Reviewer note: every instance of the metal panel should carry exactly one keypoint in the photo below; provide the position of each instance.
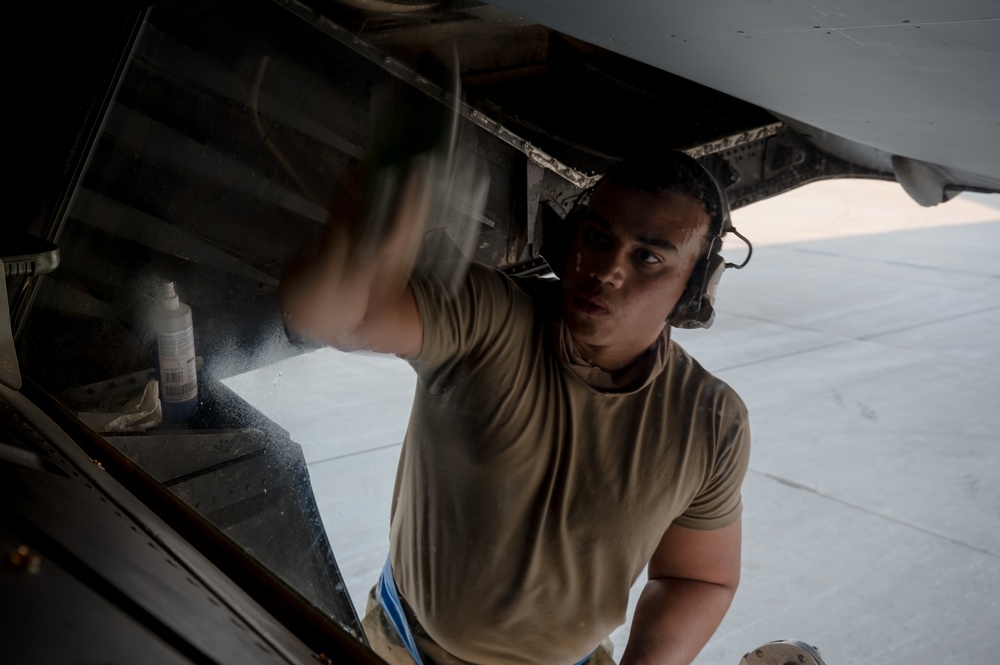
(919, 79)
(126, 565)
(43, 600)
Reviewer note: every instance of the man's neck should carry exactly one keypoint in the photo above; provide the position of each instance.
(625, 375)
(610, 362)
(614, 360)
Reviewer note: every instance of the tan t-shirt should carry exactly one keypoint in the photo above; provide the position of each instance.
(527, 502)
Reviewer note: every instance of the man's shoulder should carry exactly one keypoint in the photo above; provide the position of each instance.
(487, 310)
(694, 380)
(480, 285)
(542, 292)
(483, 274)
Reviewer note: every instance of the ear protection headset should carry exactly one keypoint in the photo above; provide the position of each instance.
(696, 306)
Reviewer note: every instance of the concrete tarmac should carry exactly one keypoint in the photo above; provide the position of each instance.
(863, 338)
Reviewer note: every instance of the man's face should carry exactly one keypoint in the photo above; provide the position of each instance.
(627, 267)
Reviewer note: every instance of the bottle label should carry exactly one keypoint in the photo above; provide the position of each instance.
(178, 368)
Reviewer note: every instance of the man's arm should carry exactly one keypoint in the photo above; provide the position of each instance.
(693, 576)
(352, 297)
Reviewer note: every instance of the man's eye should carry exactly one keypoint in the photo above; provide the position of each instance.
(646, 257)
(594, 236)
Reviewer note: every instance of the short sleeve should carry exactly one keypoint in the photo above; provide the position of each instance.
(718, 502)
(464, 324)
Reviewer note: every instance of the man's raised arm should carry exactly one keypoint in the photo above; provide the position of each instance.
(353, 294)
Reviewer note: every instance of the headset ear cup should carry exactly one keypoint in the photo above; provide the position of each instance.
(716, 268)
(680, 315)
(696, 306)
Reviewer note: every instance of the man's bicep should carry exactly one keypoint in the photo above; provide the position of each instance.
(718, 500)
(692, 554)
(461, 322)
(395, 328)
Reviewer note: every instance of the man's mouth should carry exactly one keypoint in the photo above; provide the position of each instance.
(591, 306)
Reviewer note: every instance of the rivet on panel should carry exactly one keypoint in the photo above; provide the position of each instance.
(25, 560)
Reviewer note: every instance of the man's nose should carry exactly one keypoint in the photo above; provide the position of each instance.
(609, 267)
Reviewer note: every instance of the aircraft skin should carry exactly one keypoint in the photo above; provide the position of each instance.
(918, 79)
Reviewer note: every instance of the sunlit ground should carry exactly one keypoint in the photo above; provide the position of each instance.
(863, 337)
(841, 208)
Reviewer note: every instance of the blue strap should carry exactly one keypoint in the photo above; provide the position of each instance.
(388, 598)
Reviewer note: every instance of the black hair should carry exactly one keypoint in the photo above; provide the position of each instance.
(660, 171)
(656, 172)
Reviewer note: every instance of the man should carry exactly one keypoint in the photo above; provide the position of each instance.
(559, 441)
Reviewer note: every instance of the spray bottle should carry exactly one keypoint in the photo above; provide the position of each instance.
(175, 347)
